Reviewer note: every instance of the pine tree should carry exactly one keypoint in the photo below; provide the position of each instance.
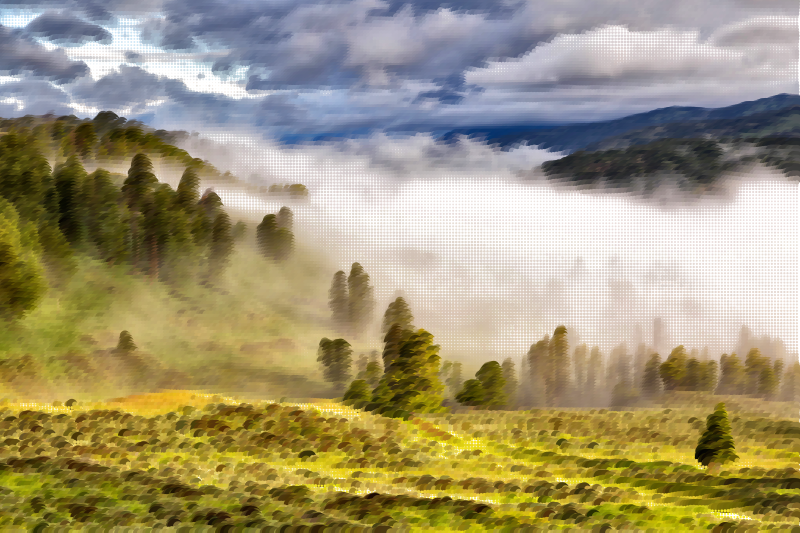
(284, 244)
(266, 236)
(338, 302)
(716, 444)
(511, 386)
(491, 377)
(579, 363)
(651, 378)
(708, 381)
(285, 219)
(398, 312)
(126, 344)
(221, 246)
(732, 375)
(791, 383)
(472, 394)
(392, 342)
(595, 369)
(411, 382)
(188, 191)
(336, 358)
(639, 362)
(358, 394)
(361, 301)
(754, 365)
(141, 179)
(455, 380)
(693, 374)
(22, 283)
(85, 140)
(540, 367)
(559, 359)
(69, 183)
(673, 370)
(767, 384)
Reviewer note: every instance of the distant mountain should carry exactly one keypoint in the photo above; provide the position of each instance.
(783, 122)
(574, 137)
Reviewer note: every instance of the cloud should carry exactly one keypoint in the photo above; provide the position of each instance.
(67, 30)
(617, 55)
(35, 97)
(759, 31)
(20, 54)
(129, 87)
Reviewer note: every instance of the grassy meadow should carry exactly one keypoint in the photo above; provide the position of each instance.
(199, 462)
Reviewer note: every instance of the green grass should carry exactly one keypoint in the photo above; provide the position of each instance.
(142, 461)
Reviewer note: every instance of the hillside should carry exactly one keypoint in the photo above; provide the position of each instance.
(574, 137)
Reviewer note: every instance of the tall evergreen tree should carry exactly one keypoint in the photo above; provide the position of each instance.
(539, 367)
(754, 364)
(732, 378)
(411, 382)
(392, 342)
(693, 374)
(559, 358)
(69, 183)
(188, 192)
(361, 299)
(398, 312)
(266, 236)
(791, 383)
(673, 370)
(511, 386)
(593, 372)
(338, 302)
(126, 344)
(221, 246)
(285, 219)
(141, 179)
(716, 444)
(22, 283)
(491, 377)
(579, 363)
(336, 358)
(709, 376)
(651, 378)
(639, 362)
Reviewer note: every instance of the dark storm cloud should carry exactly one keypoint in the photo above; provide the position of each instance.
(128, 86)
(94, 10)
(21, 54)
(66, 29)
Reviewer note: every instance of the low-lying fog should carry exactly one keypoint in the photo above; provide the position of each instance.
(491, 257)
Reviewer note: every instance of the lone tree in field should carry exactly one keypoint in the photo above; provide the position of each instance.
(716, 445)
(126, 344)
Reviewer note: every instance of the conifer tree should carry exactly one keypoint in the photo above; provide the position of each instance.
(491, 377)
(791, 383)
(361, 301)
(559, 360)
(336, 358)
(411, 382)
(266, 236)
(579, 363)
(141, 179)
(472, 394)
(398, 312)
(540, 370)
(709, 375)
(126, 344)
(221, 246)
(651, 378)
(338, 301)
(754, 365)
(639, 362)
(716, 444)
(392, 343)
(69, 183)
(693, 374)
(285, 219)
(511, 386)
(594, 370)
(188, 192)
(358, 394)
(732, 379)
(673, 370)
(22, 283)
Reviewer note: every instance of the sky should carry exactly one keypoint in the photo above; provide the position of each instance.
(490, 262)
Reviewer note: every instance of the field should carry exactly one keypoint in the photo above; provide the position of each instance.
(200, 462)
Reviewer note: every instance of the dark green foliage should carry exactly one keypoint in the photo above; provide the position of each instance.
(273, 241)
(359, 392)
(709, 376)
(372, 370)
(72, 209)
(221, 246)
(188, 191)
(126, 344)
(140, 181)
(338, 301)
(57, 255)
(732, 380)
(471, 394)
(285, 219)
(398, 312)
(21, 278)
(651, 380)
(673, 370)
(491, 377)
(361, 302)
(559, 361)
(716, 444)
(85, 140)
(511, 385)
(392, 343)
(411, 382)
(540, 368)
(336, 358)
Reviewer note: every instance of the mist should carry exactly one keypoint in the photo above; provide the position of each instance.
(491, 256)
